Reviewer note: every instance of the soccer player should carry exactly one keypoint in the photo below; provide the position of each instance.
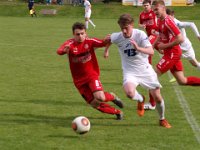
(134, 48)
(169, 39)
(186, 46)
(88, 12)
(148, 21)
(85, 70)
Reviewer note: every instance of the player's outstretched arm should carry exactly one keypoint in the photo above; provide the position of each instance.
(191, 25)
(106, 51)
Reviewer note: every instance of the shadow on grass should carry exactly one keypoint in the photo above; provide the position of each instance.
(26, 119)
(76, 136)
(47, 102)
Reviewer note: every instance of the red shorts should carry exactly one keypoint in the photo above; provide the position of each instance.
(87, 89)
(166, 63)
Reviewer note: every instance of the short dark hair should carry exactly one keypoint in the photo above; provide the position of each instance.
(146, 1)
(156, 2)
(125, 19)
(78, 25)
(169, 11)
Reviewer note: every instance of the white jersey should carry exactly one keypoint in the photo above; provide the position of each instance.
(186, 45)
(87, 6)
(133, 61)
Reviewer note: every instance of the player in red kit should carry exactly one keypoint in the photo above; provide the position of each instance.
(85, 70)
(169, 39)
(148, 21)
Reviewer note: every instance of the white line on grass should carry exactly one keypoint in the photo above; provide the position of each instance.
(186, 109)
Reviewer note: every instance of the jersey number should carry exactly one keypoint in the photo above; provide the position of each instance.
(130, 52)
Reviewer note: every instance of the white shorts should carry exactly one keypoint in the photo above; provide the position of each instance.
(88, 14)
(189, 54)
(147, 81)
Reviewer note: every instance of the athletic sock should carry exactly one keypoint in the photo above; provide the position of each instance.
(193, 81)
(106, 108)
(108, 97)
(90, 21)
(161, 109)
(151, 100)
(137, 97)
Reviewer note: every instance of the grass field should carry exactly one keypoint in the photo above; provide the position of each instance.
(38, 100)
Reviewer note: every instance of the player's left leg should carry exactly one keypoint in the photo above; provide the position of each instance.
(195, 63)
(160, 105)
(182, 80)
(90, 21)
(190, 56)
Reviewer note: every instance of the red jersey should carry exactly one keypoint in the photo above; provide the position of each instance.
(82, 59)
(150, 20)
(168, 31)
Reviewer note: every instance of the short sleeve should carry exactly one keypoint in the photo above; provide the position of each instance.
(113, 37)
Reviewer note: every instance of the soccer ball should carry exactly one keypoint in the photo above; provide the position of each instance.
(81, 125)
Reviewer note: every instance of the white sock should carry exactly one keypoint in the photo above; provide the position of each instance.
(161, 109)
(198, 66)
(90, 21)
(86, 24)
(137, 97)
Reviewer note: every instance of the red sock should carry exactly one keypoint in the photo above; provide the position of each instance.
(193, 81)
(108, 97)
(151, 100)
(105, 108)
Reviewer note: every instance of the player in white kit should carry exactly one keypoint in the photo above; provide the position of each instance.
(88, 12)
(134, 48)
(186, 46)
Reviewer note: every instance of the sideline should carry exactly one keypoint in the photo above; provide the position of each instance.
(186, 109)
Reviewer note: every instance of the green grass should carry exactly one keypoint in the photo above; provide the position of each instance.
(38, 100)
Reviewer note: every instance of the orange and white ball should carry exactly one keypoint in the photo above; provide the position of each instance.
(81, 125)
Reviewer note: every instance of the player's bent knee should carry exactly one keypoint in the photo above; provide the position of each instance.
(130, 94)
(94, 103)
